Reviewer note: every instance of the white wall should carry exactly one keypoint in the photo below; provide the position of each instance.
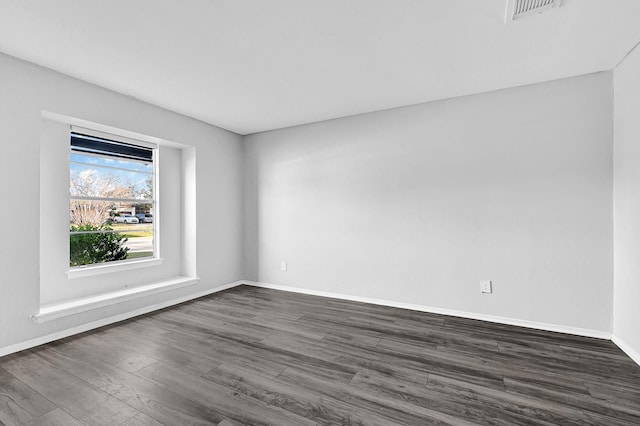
(626, 301)
(417, 204)
(27, 90)
(410, 205)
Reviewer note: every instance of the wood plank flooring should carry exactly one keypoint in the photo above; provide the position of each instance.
(252, 356)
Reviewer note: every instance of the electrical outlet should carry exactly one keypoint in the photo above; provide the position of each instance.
(486, 287)
(283, 266)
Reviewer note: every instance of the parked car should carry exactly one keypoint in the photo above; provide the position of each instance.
(145, 217)
(127, 218)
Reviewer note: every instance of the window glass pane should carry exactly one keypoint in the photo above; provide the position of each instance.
(93, 176)
(101, 160)
(111, 201)
(103, 231)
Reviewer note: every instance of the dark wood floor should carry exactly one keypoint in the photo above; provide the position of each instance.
(256, 357)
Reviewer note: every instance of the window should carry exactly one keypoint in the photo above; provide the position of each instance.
(112, 199)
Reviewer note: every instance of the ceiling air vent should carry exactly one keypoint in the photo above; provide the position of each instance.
(517, 9)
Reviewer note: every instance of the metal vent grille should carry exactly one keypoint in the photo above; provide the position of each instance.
(523, 8)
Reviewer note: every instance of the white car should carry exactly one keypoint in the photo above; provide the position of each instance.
(127, 218)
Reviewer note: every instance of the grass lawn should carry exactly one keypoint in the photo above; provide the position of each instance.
(139, 254)
(134, 230)
(135, 234)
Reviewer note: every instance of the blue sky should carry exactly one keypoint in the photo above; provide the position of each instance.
(125, 171)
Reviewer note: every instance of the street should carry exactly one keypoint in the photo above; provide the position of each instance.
(140, 244)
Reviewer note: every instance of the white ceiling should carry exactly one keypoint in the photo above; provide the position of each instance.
(254, 65)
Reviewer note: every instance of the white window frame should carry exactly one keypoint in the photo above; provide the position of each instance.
(127, 264)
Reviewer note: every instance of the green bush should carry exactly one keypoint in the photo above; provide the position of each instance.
(86, 249)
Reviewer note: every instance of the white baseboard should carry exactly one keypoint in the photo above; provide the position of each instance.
(626, 348)
(110, 320)
(422, 308)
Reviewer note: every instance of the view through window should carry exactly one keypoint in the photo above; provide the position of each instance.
(111, 210)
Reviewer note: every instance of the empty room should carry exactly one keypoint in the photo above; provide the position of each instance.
(280, 212)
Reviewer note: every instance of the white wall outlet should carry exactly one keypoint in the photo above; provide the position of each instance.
(486, 287)
(283, 266)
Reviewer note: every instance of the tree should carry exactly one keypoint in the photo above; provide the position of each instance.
(92, 240)
(144, 193)
(89, 183)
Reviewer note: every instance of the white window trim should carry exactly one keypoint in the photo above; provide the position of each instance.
(74, 303)
(124, 265)
(76, 306)
(110, 267)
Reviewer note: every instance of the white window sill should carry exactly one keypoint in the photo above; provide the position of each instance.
(63, 309)
(107, 268)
